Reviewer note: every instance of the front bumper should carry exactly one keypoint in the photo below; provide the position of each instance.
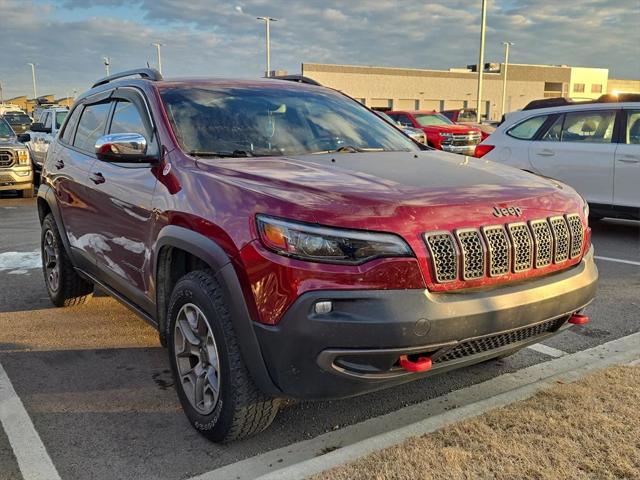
(16, 178)
(355, 348)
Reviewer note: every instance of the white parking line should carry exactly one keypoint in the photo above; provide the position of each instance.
(552, 352)
(32, 457)
(617, 260)
(309, 457)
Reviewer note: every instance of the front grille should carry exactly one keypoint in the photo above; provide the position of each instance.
(6, 179)
(445, 258)
(499, 249)
(560, 239)
(461, 140)
(6, 159)
(491, 342)
(522, 246)
(577, 234)
(472, 253)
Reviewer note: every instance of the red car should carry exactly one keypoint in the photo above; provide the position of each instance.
(441, 132)
(467, 116)
(287, 242)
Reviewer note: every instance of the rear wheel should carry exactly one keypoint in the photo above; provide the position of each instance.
(65, 287)
(212, 381)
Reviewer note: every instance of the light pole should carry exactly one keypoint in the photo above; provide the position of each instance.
(158, 45)
(481, 59)
(107, 63)
(267, 22)
(33, 77)
(504, 79)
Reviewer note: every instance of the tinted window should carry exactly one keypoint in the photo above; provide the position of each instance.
(527, 129)
(633, 127)
(67, 134)
(405, 120)
(127, 119)
(5, 129)
(92, 126)
(467, 116)
(554, 133)
(592, 127)
(47, 120)
(275, 121)
(60, 116)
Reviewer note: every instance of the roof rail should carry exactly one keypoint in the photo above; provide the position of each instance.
(147, 73)
(297, 78)
(563, 101)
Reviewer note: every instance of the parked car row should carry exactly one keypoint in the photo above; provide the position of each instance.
(286, 242)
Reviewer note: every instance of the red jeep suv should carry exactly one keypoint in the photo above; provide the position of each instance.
(287, 242)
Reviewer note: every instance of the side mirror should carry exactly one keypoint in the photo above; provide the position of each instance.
(39, 127)
(24, 138)
(122, 147)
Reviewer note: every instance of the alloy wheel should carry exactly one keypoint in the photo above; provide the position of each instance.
(197, 359)
(51, 261)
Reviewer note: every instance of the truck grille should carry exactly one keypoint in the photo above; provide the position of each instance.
(6, 159)
(499, 249)
(491, 342)
(461, 140)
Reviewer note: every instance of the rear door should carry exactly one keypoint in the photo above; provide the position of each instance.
(578, 149)
(121, 194)
(627, 161)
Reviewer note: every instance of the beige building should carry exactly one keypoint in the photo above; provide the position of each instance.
(409, 88)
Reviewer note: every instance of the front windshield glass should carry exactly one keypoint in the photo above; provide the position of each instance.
(60, 116)
(432, 119)
(5, 129)
(270, 121)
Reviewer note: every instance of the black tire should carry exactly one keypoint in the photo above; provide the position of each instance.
(69, 289)
(27, 193)
(240, 408)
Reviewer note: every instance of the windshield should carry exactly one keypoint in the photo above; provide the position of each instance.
(60, 116)
(427, 120)
(275, 121)
(5, 129)
(16, 118)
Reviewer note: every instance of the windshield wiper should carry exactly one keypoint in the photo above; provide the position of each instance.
(234, 154)
(350, 149)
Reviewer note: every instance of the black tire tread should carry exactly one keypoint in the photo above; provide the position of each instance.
(254, 411)
(74, 290)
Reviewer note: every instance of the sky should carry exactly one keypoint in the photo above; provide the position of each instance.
(67, 39)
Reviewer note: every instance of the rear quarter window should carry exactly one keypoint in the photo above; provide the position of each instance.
(70, 126)
(527, 130)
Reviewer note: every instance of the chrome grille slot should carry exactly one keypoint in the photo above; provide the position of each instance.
(443, 253)
(6, 159)
(472, 251)
(543, 242)
(522, 246)
(560, 239)
(577, 234)
(498, 250)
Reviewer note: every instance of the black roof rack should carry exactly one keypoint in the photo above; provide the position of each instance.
(562, 101)
(146, 73)
(297, 78)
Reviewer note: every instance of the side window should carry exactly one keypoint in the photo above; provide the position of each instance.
(60, 116)
(527, 129)
(127, 119)
(91, 126)
(67, 134)
(467, 116)
(405, 120)
(633, 127)
(46, 120)
(554, 133)
(591, 127)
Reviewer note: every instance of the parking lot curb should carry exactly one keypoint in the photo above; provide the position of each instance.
(332, 449)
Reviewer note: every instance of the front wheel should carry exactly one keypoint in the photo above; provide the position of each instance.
(213, 384)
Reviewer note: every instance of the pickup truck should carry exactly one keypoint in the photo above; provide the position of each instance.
(42, 134)
(15, 167)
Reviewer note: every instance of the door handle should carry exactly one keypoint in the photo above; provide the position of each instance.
(546, 153)
(59, 164)
(629, 159)
(97, 178)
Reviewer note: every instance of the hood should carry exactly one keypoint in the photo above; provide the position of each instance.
(346, 188)
(456, 128)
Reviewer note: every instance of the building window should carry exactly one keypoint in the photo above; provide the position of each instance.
(553, 89)
(578, 87)
(596, 88)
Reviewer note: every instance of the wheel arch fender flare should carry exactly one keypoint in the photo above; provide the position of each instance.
(47, 200)
(220, 263)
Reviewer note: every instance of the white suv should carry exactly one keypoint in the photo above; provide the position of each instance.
(594, 147)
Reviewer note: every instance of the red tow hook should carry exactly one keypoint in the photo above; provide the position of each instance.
(578, 319)
(422, 364)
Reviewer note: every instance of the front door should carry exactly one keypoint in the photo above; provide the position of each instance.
(578, 150)
(122, 195)
(627, 162)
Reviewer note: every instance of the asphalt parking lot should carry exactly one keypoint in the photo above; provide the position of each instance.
(96, 383)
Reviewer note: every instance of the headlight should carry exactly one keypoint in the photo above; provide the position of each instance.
(326, 244)
(23, 157)
(585, 209)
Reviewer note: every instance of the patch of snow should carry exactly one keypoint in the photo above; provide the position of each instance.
(20, 260)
